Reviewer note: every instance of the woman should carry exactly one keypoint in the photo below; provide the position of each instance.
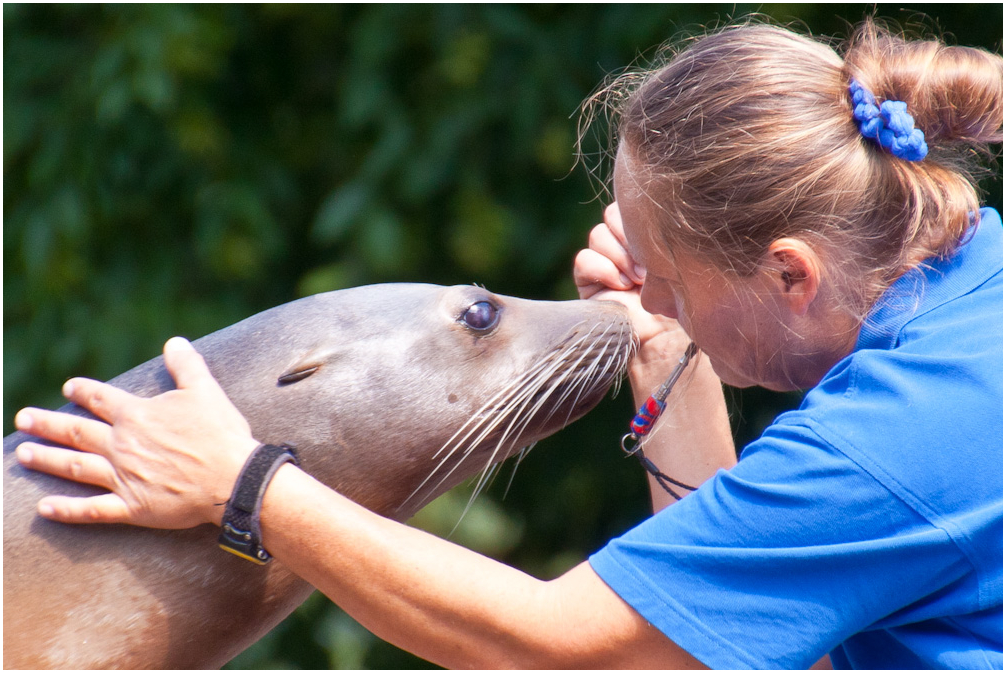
(776, 206)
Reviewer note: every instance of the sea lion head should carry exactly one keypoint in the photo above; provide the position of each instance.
(394, 393)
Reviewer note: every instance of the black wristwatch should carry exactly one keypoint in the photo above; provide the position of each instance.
(240, 532)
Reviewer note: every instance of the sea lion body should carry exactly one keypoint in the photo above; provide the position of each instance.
(390, 396)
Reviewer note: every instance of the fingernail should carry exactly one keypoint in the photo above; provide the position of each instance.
(68, 388)
(177, 344)
(24, 454)
(625, 280)
(45, 509)
(640, 271)
(23, 420)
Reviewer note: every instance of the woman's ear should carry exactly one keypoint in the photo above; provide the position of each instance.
(796, 270)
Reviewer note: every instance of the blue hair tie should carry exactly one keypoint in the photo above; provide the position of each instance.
(889, 124)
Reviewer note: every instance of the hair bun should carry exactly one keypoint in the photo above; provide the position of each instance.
(953, 93)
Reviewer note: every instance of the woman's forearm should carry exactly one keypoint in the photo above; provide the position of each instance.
(448, 604)
(692, 439)
(406, 586)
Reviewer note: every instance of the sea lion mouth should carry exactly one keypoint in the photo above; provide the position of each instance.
(555, 390)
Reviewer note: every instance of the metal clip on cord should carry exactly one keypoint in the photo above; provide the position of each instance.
(632, 443)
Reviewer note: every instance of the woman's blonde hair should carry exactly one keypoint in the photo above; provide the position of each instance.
(747, 136)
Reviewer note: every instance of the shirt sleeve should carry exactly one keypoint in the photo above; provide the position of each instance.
(775, 562)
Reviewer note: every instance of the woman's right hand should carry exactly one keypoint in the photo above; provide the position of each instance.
(168, 461)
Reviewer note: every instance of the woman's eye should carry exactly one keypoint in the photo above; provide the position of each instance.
(480, 315)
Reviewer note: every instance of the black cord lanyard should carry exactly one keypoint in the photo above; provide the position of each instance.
(632, 443)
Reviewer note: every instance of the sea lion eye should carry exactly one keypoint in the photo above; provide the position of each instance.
(481, 316)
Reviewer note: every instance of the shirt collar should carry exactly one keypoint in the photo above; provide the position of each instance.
(935, 282)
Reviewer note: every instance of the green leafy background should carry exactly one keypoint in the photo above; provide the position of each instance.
(171, 169)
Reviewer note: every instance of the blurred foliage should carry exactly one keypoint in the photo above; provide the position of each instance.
(171, 169)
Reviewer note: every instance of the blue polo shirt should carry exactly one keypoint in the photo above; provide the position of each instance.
(869, 522)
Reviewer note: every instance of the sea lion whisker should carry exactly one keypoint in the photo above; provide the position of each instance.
(511, 411)
(518, 421)
(533, 385)
(614, 365)
(559, 360)
(516, 407)
(477, 418)
(586, 382)
(485, 478)
(575, 389)
(457, 440)
(538, 398)
(497, 468)
(478, 415)
(521, 455)
(581, 382)
(624, 356)
(605, 366)
(471, 500)
(500, 407)
(487, 472)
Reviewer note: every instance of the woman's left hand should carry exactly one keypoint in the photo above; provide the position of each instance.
(606, 270)
(168, 461)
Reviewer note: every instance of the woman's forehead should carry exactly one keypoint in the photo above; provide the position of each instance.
(631, 205)
(623, 176)
(640, 214)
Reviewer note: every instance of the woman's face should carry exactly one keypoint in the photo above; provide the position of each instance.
(739, 322)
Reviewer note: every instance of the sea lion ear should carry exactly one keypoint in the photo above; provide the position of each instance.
(296, 374)
(305, 366)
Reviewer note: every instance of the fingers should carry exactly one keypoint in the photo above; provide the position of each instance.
(605, 264)
(107, 508)
(593, 273)
(186, 365)
(85, 434)
(603, 240)
(78, 466)
(190, 372)
(613, 220)
(101, 399)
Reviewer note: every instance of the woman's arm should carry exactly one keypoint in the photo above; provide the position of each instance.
(692, 439)
(168, 461)
(446, 603)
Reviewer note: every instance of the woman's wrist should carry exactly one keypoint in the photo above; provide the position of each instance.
(228, 475)
(654, 361)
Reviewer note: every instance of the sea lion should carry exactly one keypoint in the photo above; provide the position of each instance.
(391, 393)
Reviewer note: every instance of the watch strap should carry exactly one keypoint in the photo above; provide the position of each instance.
(240, 530)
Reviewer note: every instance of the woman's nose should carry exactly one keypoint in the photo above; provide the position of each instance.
(657, 302)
